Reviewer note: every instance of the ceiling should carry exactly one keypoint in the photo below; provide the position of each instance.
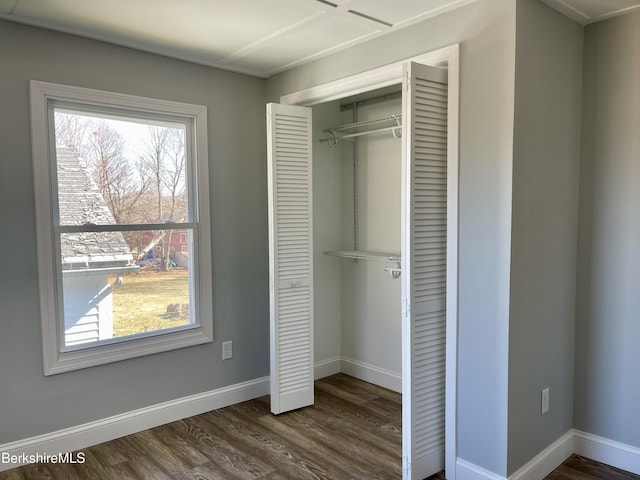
(258, 37)
(590, 11)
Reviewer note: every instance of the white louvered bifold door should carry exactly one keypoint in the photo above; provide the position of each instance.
(290, 256)
(424, 268)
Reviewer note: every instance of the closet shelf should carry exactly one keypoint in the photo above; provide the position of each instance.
(394, 272)
(358, 255)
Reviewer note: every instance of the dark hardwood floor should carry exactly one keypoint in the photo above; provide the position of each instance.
(352, 432)
(581, 468)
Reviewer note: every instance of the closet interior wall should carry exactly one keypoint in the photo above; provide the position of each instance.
(327, 236)
(357, 303)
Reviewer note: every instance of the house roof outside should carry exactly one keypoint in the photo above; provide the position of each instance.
(80, 202)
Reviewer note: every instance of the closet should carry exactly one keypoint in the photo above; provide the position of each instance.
(357, 234)
(358, 242)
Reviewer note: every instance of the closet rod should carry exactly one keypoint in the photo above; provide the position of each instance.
(365, 123)
(337, 133)
(396, 131)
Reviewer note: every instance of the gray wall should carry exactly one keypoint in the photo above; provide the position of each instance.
(487, 31)
(608, 304)
(544, 227)
(31, 404)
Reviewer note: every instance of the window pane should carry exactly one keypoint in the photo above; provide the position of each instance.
(119, 284)
(119, 170)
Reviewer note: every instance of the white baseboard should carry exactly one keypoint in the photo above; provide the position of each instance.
(92, 433)
(363, 371)
(469, 471)
(536, 469)
(372, 374)
(607, 451)
(327, 367)
(546, 461)
(601, 449)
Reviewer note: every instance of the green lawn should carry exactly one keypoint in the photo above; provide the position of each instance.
(140, 303)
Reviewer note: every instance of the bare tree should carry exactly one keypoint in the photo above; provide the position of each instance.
(73, 131)
(174, 178)
(120, 184)
(165, 163)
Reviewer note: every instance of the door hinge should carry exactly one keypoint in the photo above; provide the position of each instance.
(406, 468)
(406, 308)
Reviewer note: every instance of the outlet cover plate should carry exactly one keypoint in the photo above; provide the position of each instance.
(544, 404)
(227, 350)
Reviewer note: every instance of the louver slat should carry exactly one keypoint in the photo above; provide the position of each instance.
(290, 264)
(427, 151)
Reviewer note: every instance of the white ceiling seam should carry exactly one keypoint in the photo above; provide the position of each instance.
(369, 17)
(254, 46)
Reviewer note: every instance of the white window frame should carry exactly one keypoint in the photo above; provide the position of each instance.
(57, 359)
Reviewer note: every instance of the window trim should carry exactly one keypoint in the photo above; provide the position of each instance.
(43, 147)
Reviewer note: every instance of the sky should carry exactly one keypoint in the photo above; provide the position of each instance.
(135, 133)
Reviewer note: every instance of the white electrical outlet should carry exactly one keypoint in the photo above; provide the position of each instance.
(227, 350)
(544, 404)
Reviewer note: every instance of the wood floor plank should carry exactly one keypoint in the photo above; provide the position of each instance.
(234, 462)
(586, 465)
(107, 454)
(156, 451)
(563, 472)
(274, 449)
(207, 471)
(121, 471)
(68, 471)
(125, 447)
(332, 405)
(345, 381)
(91, 468)
(37, 471)
(344, 415)
(187, 453)
(352, 395)
(354, 442)
(577, 467)
(13, 474)
(276, 476)
(150, 468)
(344, 450)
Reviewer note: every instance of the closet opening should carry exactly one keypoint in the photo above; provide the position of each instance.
(324, 225)
(357, 185)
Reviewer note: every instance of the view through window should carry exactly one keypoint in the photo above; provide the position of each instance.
(124, 226)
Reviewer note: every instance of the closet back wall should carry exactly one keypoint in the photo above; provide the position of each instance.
(371, 299)
(357, 305)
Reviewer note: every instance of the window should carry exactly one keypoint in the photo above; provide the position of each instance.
(122, 211)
